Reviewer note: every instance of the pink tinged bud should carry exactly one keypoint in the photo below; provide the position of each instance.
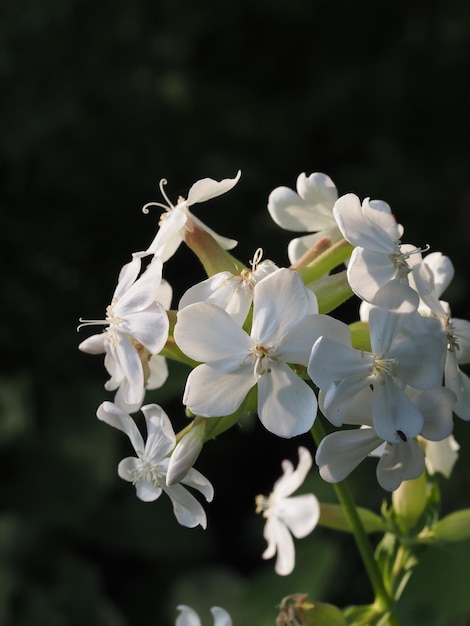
(185, 454)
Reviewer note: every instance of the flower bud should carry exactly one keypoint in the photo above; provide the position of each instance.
(185, 454)
(409, 501)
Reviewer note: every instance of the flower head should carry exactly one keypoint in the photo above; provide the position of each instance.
(285, 326)
(173, 221)
(285, 515)
(148, 470)
(310, 210)
(136, 329)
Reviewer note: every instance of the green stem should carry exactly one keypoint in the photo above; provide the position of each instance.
(383, 601)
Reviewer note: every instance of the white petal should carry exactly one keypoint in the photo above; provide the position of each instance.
(459, 383)
(160, 434)
(298, 342)
(441, 456)
(114, 416)
(188, 511)
(287, 406)
(420, 360)
(341, 452)
(399, 462)
(127, 276)
(149, 327)
(442, 269)
(368, 270)
(205, 332)
(462, 334)
(170, 234)
(142, 293)
(331, 361)
(280, 301)
(210, 392)
(300, 514)
(292, 479)
(279, 540)
(131, 366)
(158, 372)
(94, 344)
(187, 617)
(224, 242)
(436, 407)
(208, 188)
(355, 410)
(199, 482)
(300, 245)
(370, 226)
(394, 415)
(221, 617)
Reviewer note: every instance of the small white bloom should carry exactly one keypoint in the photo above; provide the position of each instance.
(378, 256)
(285, 515)
(173, 221)
(396, 359)
(136, 328)
(149, 469)
(339, 453)
(189, 617)
(285, 325)
(231, 292)
(310, 209)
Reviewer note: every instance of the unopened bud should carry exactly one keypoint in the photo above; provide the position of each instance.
(409, 501)
(185, 454)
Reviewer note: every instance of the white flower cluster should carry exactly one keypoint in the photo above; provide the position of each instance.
(261, 337)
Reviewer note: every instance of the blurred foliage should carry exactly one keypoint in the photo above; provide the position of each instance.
(99, 101)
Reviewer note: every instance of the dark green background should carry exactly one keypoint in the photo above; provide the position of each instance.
(99, 100)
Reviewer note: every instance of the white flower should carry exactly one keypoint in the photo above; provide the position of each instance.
(189, 617)
(173, 221)
(396, 359)
(378, 256)
(339, 453)
(283, 331)
(148, 470)
(137, 328)
(231, 292)
(285, 515)
(431, 278)
(310, 209)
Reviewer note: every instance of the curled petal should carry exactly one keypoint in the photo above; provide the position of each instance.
(292, 479)
(188, 511)
(208, 188)
(279, 541)
(399, 462)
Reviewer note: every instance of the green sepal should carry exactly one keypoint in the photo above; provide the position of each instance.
(327, 261)
(331, 291)
(333, 516)
(453, 527)
(360, 337)
(298, 610)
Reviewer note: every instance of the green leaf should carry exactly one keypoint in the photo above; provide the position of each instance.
(333, 516)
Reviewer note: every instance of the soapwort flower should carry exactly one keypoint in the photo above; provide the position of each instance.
(310, 209)
(378, 256)
(285, 326)
(136, 329)
(397, 358)
(231, 292)
(189, 617)
(286, 514)
(173, 221)
(149, 469)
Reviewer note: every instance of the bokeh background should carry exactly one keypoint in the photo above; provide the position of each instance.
(99, 100)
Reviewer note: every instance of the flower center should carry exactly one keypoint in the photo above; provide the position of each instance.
(263, 503)
(260, 353)
(385, 367)
(148, 472)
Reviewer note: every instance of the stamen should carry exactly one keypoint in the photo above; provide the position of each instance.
(168, 207)
(258, 255)
(84, 322)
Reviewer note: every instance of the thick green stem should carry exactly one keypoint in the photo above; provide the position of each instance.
(383, 601)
